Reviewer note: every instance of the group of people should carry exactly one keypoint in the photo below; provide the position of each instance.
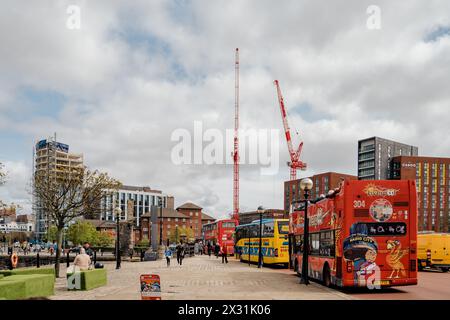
(27, 247)
(180, 252)
(83, 259)
(218, 250)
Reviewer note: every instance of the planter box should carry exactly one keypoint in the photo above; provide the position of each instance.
(27, 286)
(28, 271)
(87, 280)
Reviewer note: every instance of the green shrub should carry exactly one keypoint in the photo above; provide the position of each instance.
(91, 279)
(27, 286)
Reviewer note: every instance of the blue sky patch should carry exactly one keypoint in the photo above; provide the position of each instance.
(437, 33)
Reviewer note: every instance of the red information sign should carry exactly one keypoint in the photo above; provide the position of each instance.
(150, 287)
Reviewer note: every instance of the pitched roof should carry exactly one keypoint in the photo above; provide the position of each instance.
(207, 217)
(189, 205)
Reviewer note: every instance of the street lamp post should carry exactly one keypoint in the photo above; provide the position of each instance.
(306, 185)
(117, 211)
(260, 256)
(160, 221)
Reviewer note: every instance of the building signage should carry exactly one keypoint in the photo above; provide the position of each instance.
(408, 165)
(150, 287)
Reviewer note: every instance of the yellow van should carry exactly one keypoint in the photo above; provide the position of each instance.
(433, 250)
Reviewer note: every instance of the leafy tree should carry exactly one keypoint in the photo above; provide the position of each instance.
(103, 239)
(181, 233)
(81, 232)
(69, 193)
(144, 243)
(52, 233)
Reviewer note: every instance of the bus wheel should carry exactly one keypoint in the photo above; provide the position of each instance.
(444, 269)
(326, 276)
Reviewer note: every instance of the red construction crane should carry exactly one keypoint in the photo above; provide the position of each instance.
(295, 162)
(235, 153)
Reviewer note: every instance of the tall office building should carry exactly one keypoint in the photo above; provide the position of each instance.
(432, 177)
(375, 155)
(53, 158)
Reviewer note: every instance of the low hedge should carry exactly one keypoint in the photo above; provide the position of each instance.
(27, 286)
(89, 279)
(27, 271)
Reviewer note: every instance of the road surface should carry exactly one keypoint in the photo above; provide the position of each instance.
(432, 284)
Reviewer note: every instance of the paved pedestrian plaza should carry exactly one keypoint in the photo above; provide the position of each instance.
(199, 278)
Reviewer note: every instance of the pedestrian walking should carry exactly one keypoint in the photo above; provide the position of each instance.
(224, 254)
(182, 253)
(178, 249)
(168, 255)
(209, 248)
(217, 250)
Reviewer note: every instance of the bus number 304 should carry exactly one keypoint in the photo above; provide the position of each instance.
(359, 204)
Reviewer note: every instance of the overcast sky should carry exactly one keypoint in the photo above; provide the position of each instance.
(117, 88)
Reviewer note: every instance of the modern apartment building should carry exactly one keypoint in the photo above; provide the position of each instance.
(134, 201)
(375, 155)
(323, 183)
(53, 158)
(433, 189)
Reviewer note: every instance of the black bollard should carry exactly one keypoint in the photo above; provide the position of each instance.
(10, 265)
(95, 257)
(68, 259)
(38, 262)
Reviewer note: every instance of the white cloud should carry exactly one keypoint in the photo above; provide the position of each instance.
(136, 72)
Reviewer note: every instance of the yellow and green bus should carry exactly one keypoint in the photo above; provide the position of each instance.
(274, 241)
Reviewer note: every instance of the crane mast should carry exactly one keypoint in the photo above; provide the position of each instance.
(235, 153)
(295, 162)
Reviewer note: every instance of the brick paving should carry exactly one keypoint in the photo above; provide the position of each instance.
(201, 278)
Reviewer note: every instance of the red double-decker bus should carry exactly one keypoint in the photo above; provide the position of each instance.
(220, 232)
(361, 234)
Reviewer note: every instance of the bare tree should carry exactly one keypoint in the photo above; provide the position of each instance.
(66, 194)
(2, 174)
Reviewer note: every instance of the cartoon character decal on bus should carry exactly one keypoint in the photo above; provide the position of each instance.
(362, 250)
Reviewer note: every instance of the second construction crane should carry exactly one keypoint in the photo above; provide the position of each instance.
(295, 162)
(235, 153)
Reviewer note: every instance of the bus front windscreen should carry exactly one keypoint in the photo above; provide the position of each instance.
(228, 225)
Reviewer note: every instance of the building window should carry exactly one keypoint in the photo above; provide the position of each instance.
(190, 213)
(176, 219)
(184, 220)
(168, 219)
(196, 214)
(168, 226)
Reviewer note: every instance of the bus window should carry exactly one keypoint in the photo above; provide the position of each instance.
(228, 225)
(268, 229)
(327, 244)
(314, 243)
(298, 244)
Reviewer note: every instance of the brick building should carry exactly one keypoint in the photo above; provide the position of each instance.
(433, 188)
(187, 215)
(248, 217)
(323, 183)
(194, 213)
